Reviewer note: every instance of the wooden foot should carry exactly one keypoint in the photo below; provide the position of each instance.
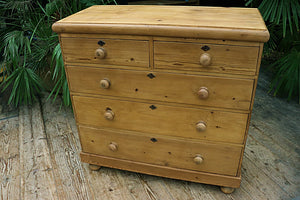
(227, 190)
(94, 167)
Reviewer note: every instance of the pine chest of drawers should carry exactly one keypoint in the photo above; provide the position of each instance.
(164, 90)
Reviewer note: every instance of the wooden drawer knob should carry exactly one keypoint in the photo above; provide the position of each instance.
(105, 83)
(201, 126)
(113, 146)
(205, 59)
(203, 93)
(198, 159)
(100, 53)
(109, 115)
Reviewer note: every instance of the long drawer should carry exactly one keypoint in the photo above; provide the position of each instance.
(109, 51)
(160, 119)
(206, 157)
(205, 57)
(167, 87)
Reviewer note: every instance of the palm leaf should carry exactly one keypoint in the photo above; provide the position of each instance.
(287, 77)
(25, 83)
(59, 77)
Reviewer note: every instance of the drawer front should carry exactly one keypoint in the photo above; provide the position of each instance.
(205, 57)
(167, 87)
(206, 157)
(161, 119)
(113, 52)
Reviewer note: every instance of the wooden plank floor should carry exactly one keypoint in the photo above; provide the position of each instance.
(39, 148)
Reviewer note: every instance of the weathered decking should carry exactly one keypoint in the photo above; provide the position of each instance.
(39, 148)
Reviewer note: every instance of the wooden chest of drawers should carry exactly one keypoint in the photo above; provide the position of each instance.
(164, 90)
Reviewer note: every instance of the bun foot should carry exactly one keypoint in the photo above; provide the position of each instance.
(227, 190)
(94, 167)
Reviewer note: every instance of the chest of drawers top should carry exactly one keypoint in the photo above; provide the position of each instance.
(242, 24)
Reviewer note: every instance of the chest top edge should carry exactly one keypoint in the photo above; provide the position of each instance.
(244, 24)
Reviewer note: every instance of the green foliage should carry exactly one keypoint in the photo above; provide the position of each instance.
(282, 18)
(20, 56)
(88, 3)
(25, 85)
(287, 78)
(59, 76)
(27, 44)
(15, 45)
(24, 81)
(280, 12)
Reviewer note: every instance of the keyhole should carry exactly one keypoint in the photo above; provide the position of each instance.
(150, 75)
(101, 43)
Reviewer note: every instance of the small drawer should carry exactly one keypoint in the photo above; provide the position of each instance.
(199, 156)
(160, 119)
(167, 87)
(198, 57)
(106, 51)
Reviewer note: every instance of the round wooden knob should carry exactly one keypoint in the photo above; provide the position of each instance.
(100, 53)
(201, 126)
(105, 83)
(198, 159)
(113, 146)
(203, 93)
(109, 115)
(205, 59)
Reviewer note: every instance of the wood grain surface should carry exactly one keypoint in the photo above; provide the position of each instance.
(161, 119)
(207, 22)
(155, 149)
(63, 144)
(37, 175)
(224, 58)
(166, 87)
(9, 156)
(164, 15)
(119, 52)
(164, 171)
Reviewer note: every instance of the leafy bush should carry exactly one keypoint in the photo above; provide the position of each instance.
(27, 44)
(282, 18)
